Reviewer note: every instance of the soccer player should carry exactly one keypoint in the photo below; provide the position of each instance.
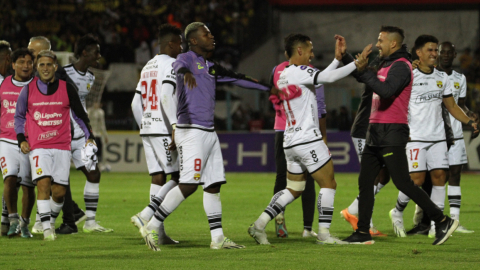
(43, 112)
(308, 196)
(457, 155)
(201, 161)
(87, 51)
(302, 142)
(155, 109)
(359, 134)
(388, 135)
(15, 165)
(5, 62)
(427, 148)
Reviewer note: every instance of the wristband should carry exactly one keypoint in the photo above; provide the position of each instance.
(470, 122)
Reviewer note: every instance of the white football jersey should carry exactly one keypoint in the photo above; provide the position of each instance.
(458, 83)
(156, 72)
(83, 82)
(424, 110)
(301, 112)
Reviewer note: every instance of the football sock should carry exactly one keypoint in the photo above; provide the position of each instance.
(173, 199)
(43, 207)
(154, 190)
(353, 208)
(55, 209)
(148, 212)
(5, 220)
(37, 217)
(213, 208)
(438, 198)
(276, 206)
(402, 202)
(454, 199)
(24, 222)
(379, 187)
(13, 218)
(326, 197)
(90, 195)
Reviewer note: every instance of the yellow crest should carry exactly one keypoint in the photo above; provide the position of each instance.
(439, 84)
(415, 165)
(5, 171)
(88, 86)
(196, 176)
(39, 171)
(456, 85)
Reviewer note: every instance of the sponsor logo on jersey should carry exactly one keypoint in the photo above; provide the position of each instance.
(303, 67)
(439, 84)
(415, 165)
(5, 171)
(147, 115)
(39, 171)
(199, 66)
(38, 115)
(10, 124)
(420, 84)
(5, 103)
(429, 96)
(456, 85)
(47, 135)
(196, 177)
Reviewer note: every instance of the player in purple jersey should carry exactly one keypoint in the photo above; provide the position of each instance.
(201, 161)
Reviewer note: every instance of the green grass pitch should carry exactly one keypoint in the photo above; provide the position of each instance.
(243, 198)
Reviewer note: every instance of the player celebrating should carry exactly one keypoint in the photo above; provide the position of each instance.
(156, 120)
(5, 61)
(303, 144)
(427, 149)
(43, 112)
(15, 165)
(201, 161)
(87, 51)
(457, 155)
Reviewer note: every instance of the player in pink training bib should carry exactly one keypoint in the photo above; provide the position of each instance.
(15, 165)
(43, 112)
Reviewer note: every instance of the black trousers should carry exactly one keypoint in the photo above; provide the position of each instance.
(308, 195)
(395, 159)
(69, 208)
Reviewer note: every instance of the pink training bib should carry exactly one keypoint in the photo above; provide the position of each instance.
(8, 97)
(48, 118)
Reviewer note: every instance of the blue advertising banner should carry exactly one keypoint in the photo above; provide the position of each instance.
(254, 152)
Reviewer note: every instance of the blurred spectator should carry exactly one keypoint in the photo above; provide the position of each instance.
(465, 60)
(257, 123)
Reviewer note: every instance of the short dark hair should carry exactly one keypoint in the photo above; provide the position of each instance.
(292, 40)
(424, 39)
(166, 30)
(84, 42)
(22, 52)
(393, 29)
(4, 46)
(414, 54)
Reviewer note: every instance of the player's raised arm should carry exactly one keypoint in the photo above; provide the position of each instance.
(181, 67)
(224, 75)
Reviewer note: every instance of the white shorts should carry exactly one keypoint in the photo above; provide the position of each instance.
(457, 155)
(423, 156)
(159, 158)
(15, 163)
(52, 163)
(200, 157)
(359, 145)
(311, 156)
(77, 146)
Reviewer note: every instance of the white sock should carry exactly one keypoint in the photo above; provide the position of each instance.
(379, 187)
(173, 199)
(43, 207)
(55, 209)
(5, 220)
(213, 208)
(353, 207)
(91, 194)
(454, 200)
(402, 202)
(438, 196)
(155, 202)
(276, 206)
(325, 201)
(154, 190)
(37, 217)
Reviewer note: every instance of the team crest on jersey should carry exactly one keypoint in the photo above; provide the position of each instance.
(456, 85)
(39, 171)
(196, 176)
(88, 86)
(415, 165)
(5, 171)
(439, 84)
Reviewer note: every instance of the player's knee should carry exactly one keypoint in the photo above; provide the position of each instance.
(58, 192)
(10, 181)
(175, 177)
(296, 187)
(187, 190)
(94, 176)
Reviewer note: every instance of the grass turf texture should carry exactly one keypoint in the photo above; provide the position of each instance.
(243, 199)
